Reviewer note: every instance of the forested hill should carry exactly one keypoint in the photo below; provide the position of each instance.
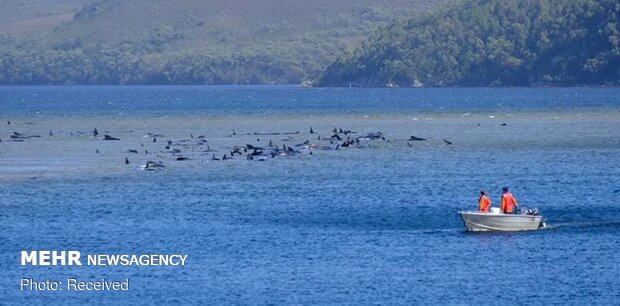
(491, 43)
(185, 41)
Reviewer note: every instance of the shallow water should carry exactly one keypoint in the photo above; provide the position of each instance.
(375, 224)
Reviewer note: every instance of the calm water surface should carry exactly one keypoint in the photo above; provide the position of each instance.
(376, 225)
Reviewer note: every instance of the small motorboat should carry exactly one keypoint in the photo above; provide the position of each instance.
(495, 220)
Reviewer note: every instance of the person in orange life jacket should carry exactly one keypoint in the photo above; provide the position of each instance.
(509, 202)
(484, 202)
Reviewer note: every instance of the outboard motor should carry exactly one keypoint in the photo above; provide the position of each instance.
(531, 211)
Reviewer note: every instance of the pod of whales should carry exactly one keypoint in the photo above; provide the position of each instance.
(199, 148)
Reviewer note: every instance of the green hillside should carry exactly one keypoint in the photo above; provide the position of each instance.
(20, 17)
(200, 23)
(491, 43)
(196, 41)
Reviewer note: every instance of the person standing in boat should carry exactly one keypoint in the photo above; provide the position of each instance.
(484, 202)
(509, 202)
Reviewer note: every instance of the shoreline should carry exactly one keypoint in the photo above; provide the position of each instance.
(354, 114)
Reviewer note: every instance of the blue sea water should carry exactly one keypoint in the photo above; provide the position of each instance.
(367, 226)
(292, 100)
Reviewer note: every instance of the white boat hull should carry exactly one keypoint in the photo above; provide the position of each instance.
(482, 222)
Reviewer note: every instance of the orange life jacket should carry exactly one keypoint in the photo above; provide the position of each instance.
(485, 203)
(508, 202)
